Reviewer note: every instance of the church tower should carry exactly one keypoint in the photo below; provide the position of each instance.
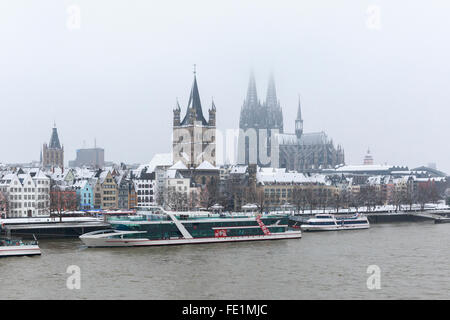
(53, 153)
(194, 137)
(273, 108)
(257, 121)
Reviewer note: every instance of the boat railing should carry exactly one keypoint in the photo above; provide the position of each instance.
(16, 242)
(143, 217)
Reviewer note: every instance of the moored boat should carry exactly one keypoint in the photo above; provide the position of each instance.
(175, 228)
(12, 247)
(330, 222)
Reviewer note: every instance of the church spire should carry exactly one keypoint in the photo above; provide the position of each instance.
(252, 96)
(54, 140)
(299, 120)
(299, 110)
(271, 100)
(194, 104)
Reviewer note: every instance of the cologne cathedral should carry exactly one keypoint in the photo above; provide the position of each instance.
(303, 152)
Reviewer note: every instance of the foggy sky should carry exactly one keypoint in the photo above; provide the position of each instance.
(117, 78)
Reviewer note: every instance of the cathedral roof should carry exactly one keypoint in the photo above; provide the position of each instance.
(194, 104)
(287, 139)
(314, 138)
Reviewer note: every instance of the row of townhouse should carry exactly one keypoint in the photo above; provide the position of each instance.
(111, 189)
(25, 194)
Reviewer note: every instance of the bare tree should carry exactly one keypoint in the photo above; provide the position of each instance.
(177, 201)
(193, 199)
(337, 201)
(310, 198)
(4, 203)
(423, 195)
(260, 200)
(299, 199)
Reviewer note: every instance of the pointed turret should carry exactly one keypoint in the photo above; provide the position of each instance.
(299, 121)
(212, 114)
(299, 110)
(176, 114)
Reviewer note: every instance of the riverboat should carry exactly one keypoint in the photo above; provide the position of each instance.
(176, 228)
(330, 222)
(12, 247)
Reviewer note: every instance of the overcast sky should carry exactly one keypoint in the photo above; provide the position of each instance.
(370, 73)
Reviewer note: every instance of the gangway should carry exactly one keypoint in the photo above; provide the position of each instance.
(262, 225)
(180, 226)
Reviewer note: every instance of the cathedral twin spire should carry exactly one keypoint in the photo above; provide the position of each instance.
(271, 99)
(266, 115)
(252, 95)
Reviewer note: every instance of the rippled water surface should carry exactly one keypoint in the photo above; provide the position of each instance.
(414, 259)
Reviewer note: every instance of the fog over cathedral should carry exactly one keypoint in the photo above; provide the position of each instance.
(263, 141)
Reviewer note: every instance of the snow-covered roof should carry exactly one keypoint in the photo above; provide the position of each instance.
(173, 174)
(80, 184)
(238, 170)
(84, 173)
(380, 179)
(178, 166)
(366, 167)
(41, 175)
(206, 165)
(103, 175)
(275, 175)
(160, 160)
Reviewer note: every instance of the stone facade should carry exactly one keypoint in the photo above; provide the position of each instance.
(194, 137)
(53, 153)
(27, 195)
(258, 123)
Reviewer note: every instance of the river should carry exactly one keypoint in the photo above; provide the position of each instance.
(413, 260)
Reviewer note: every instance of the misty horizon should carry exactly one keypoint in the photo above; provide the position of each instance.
(117, 78)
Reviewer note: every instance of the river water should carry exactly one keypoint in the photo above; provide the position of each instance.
(413, 260)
